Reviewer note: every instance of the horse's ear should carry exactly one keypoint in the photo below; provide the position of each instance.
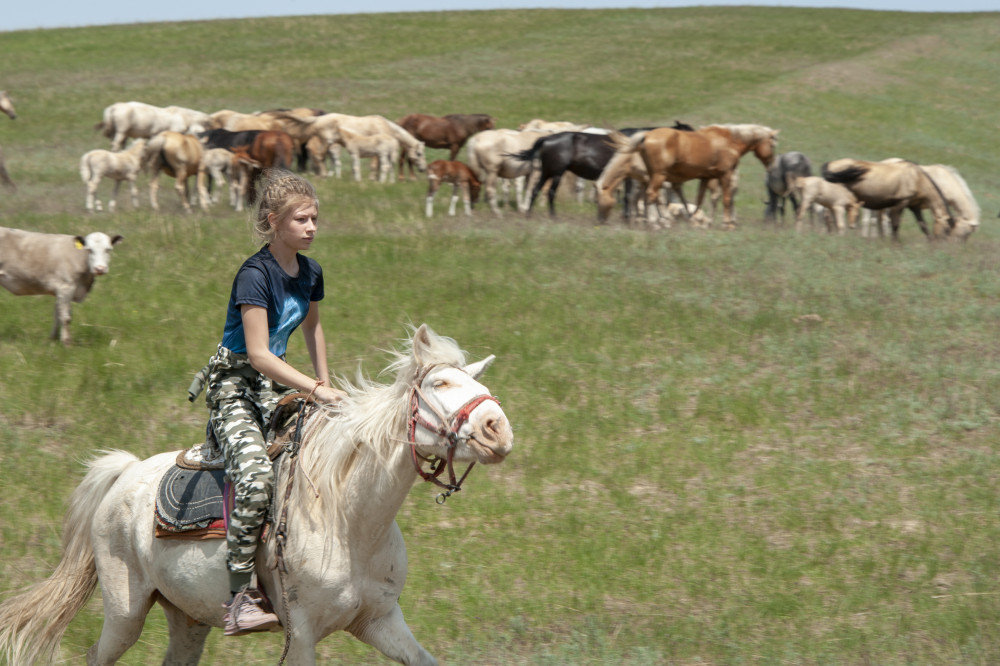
(476, 370)
(420, 343)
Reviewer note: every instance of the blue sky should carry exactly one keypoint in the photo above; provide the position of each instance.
(28, 14)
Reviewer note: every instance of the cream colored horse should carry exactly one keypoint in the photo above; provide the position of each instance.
(7, 107)
(328, 125)
(491, 157)
(122, 166)
(833, 197)
(896, 185)
(344, 558)
(383, 147)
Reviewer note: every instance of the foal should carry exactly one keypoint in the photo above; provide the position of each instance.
(460, 176)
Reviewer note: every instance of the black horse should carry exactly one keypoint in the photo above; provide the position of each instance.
(584, 154)
(779, 179)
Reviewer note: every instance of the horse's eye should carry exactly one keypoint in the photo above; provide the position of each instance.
(440, 383)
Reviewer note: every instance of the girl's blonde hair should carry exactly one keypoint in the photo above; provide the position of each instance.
(280, 193)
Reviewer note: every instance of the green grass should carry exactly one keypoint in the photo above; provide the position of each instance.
(753, 447)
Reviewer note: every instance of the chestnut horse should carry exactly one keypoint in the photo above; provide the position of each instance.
(447, 132)
(462, 178)
(677, 156)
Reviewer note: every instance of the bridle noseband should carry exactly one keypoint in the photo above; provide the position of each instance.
(446, 428)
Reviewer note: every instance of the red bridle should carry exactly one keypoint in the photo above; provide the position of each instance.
(447, 429)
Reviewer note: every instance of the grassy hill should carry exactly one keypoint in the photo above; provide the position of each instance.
(748, 447)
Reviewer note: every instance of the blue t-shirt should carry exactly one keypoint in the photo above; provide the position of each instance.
(261, 281)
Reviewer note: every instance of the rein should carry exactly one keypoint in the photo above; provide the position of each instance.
(447, 429)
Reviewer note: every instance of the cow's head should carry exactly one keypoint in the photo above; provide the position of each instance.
(98, 246)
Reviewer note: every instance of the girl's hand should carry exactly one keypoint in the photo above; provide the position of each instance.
(330, 396)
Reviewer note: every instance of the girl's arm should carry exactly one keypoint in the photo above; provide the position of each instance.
(312, 329)
(255, 331)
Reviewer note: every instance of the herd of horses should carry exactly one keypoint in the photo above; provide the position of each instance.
(644, 168)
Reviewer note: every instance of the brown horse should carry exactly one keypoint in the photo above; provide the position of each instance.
(677, 156)
(447, 132)
(894, 185)
(462, 178)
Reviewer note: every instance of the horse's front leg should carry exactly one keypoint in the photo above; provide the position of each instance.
(656, 181)
(467, 199)
(553, 190)
(187, 636)
(920, 220)
(432, 187)
(154, 188)
(727, 200)
(390, 636)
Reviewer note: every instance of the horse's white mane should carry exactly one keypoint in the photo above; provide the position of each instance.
(747, 132)
(969, 204)
(359, 436)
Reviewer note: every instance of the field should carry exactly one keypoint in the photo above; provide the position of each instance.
(747, 447)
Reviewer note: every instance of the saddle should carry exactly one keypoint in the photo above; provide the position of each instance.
(194, 499)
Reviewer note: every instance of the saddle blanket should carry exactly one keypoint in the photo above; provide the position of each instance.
(190, 504)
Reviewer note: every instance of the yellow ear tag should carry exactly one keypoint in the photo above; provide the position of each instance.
(78, 244)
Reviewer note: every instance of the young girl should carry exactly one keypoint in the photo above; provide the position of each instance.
(275, 291)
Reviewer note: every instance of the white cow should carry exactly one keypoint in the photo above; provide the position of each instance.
(141, 121)
(60, 265)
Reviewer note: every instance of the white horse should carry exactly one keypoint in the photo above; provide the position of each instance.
(344, 552)
(138, 120)
(122, 166)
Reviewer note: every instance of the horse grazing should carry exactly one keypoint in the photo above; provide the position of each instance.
(462, 178)
(583, 154)
(713, 152)
(490, 157)
(7, 107)
(627, 167)
(778, 180)
(137, 120)
(122, 166)
(894, 185)
(339, 565)
(447, 132)
(180, 156)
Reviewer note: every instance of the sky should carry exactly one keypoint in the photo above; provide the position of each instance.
(29, 14)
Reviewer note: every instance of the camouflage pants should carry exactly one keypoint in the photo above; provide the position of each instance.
(240, 401)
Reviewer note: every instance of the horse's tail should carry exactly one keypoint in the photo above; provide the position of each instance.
(622, 142)
(86, 172)
(33, 622)
(848, 174)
